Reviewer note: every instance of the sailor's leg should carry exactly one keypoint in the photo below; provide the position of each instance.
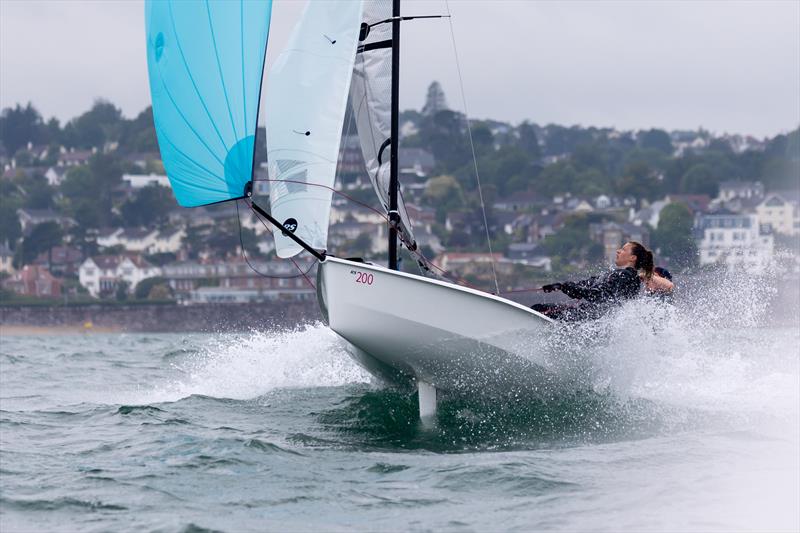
(427, 401)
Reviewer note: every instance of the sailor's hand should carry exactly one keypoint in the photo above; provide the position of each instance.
(552, 287)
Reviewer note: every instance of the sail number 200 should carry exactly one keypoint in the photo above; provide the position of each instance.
(364, 277)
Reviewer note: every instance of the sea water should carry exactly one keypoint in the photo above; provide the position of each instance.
(683, 417)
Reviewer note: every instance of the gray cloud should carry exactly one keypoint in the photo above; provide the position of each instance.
(726, 66)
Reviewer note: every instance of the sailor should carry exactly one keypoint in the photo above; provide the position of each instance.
(660, 284)
(634, 264)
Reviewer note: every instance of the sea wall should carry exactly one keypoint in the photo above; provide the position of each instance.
(161, 317)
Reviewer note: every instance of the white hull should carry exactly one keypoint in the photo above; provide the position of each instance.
(408, 328)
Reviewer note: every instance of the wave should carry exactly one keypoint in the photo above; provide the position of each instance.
(244, 367)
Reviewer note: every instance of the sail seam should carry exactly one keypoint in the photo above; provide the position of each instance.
(219, 69)
(191, 78)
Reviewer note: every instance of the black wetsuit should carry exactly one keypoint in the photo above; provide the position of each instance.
(598, 292)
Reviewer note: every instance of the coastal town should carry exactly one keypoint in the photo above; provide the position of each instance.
(88, 214)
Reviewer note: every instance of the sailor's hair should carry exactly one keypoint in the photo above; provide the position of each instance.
(644, 259)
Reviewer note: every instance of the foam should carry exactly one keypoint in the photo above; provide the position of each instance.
(250, 365)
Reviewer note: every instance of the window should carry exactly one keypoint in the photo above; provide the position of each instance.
(90, 272)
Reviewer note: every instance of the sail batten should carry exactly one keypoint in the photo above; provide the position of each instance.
(205, 61)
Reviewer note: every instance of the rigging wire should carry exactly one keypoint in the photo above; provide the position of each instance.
(444, 273)
(254, 269)
(472, 147)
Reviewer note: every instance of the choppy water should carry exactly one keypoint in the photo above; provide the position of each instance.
(686, 420)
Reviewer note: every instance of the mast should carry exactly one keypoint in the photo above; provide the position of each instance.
(394, 216)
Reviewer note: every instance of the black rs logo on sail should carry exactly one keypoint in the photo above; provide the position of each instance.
(290, 225)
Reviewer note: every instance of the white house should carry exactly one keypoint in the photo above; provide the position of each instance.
(102, 273)
(55, 175)
(142, 240)
(781, 213)
(139, 181)
(736, 240)
(167, 241)
(730, 190)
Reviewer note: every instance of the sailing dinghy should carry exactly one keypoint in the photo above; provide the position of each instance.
(206, 63)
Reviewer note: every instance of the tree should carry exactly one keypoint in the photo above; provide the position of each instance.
(656, 139)
(673, 238)
(121, 292)
(102, 123)
(10, 230)
(444, 191)
(638, 180)
(43, 238)
(529, 141)
(145, 287)
(19, 126)
(435, 100)
(151, 206)
(700, 179)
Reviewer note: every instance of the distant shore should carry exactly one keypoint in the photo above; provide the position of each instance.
(156, 318)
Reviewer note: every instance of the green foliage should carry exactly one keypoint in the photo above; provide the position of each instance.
(147, 286)
(572, 243)
(444, 192)
(19, 126)
(42, 238)
(700, 179)
(673, 238)
(102, 123)
(121, 292)
(150, 207)
(657, 140)
(10, 230)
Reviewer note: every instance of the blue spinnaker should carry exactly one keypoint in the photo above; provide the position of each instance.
(206, 60)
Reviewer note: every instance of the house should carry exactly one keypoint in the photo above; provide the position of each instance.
(28, 218)
(529, 254)
(167, 241)
(34, 280)
(613, 235)
(649, 215)
(416, 161)
(468, 263)
(238, 282)
(185, 276)
(131, 239)
(781, 210)
(102, 273)
(420, 216)
(425, 238)
(61, 260)
(55, 175)
(6, 259)
(697, 203)
(74, 158)
(139, 181)
(342, 234)
(521, 201)
(734, 239)
(730, 190)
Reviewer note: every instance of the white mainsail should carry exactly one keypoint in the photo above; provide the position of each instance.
(306, 99)
(371, 99)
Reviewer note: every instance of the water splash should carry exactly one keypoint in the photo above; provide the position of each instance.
(717, 348)
(249, 365)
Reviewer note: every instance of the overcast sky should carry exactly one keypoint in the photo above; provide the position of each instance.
(726, 66)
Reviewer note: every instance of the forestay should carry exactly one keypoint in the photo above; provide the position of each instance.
(306, 99)
(205, 61)
(371, 98)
